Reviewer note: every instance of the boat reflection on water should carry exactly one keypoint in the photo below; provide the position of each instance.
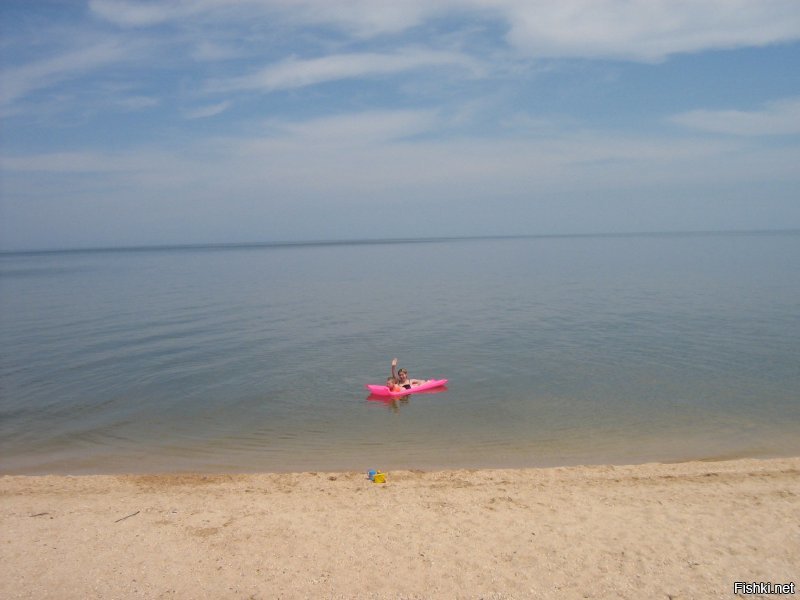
(394, 402)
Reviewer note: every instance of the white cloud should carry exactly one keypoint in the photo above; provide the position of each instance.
(367, 18)
(297, 73)
(645, 30)
(381, 147)
(356, 167)
(210, 51)
(777, 118)
(138, 102)
(138, 14)
(637, 30)
(78, 162)
(23, 80)
(365, 128)
(207, 111)
(361, 18)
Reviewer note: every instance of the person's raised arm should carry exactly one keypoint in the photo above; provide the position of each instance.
(394, 366)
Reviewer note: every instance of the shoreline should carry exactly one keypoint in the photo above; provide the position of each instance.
(680, 530)
(122, 463)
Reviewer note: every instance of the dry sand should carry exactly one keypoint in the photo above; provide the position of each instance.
(687, 530)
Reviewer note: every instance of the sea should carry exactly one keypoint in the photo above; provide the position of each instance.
(559, 350)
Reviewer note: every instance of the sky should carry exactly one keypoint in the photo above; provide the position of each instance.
(235, 121)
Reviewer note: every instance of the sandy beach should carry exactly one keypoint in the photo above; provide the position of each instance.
(686, 530)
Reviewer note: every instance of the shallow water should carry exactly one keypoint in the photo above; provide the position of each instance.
(559, 350)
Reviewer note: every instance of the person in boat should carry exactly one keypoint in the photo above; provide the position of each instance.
(391, 383)
(402, 377)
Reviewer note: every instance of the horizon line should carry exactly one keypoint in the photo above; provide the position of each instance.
(388, 241)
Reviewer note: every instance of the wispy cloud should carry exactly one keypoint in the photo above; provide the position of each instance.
(138, 14)
(20, 81)
(296, 73)
(361, 18)
(634, 30)
(138, 102)
(776, 118)
(364, 128)
(449, 102)
(204, 112)
(205, 50)
(637, 30)
(72, 162)
(645, 30)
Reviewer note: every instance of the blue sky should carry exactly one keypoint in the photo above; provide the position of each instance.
(211, 121)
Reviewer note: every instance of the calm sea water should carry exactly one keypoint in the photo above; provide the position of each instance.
(559, 350)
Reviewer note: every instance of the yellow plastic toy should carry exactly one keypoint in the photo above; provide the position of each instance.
(379, 477)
